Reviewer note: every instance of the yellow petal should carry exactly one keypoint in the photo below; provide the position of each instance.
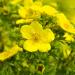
(23, 12)
(72, 18)
(28, 3)
(48, 35)
(7, 54)
(21, 21)
(49, 10)
(26, 31)
(37, 8)
(44, 47)
(64, 23)
(72, 30)
(28, 20)
(30, 46)
(37, 27)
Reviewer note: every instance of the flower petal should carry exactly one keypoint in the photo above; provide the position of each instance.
(21, 21)
(23, 12)
(64, 23)
(28, 3)
(37, 8)
(48, 35)
(49, 10)
(26, 31)
(7, 54)
(44, 47)
(37, 27)
(30, 46)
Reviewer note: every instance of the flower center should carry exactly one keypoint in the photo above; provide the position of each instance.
(32, 14)
(36, 37)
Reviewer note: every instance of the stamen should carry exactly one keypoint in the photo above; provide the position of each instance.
(35, 37)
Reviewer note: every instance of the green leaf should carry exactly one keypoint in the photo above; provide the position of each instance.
(6, 70)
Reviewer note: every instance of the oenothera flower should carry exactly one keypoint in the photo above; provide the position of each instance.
(64, 23)
(36, 37)
(7, 54)
(28, 13)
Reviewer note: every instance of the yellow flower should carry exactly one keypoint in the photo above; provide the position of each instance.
(28, 14)
(7, 54)
(30, 9)
(68, 37)
(36, 37)
(64, 23)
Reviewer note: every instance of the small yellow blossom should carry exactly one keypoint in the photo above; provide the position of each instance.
(28, 14)
(68, 37)
(30, 9)
(36, 37)
(64, 23)
(7, 54)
